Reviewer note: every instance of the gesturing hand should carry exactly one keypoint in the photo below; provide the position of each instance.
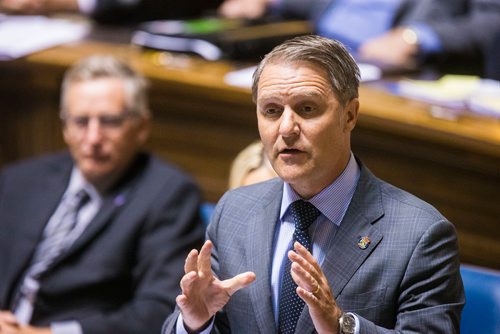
(314, 289)
(9, 325)
(202, 293)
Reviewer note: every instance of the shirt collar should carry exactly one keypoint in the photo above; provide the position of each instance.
(331, 201)
(77, 182)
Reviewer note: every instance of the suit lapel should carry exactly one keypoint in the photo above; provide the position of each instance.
(346, 255)
(43, 201)
(260, 252)
(108, 209)
(348, 252)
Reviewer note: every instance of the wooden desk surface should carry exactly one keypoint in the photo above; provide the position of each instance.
(201, 123)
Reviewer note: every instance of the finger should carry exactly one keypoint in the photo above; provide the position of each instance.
(306, 266)
(9, 318)
(306, 255)
(308, 297)
(238, 282)
(182, 302)
(7, 328)
(191, 263)
(204, 265)
(304, 279)
(187, 281)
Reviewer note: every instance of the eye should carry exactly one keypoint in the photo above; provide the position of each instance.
(111, 121)
(271, 111)
(307, 109)
(80, 121)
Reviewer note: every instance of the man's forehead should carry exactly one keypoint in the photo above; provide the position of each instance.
(299, 78)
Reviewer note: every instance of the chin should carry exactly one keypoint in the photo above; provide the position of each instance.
(96, 174)
(290, 177)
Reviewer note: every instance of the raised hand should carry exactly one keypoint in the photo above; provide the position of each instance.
(390, 48)
(9, 325)
(314, 289)
(202, 293)
(248, 9)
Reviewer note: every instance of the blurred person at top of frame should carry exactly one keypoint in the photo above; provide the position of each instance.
(250, 166)
(113, 11)
(453, 35)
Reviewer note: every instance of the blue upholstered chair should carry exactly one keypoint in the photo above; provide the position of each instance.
(206, 211)
(481, 314)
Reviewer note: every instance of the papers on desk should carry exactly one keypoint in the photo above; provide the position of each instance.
(22, 35)
(243, 77)
(216, 38)
(456, 92)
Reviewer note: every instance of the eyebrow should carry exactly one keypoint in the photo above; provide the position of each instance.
(306, 94)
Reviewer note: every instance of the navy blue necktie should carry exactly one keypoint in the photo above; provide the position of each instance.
(290, 304)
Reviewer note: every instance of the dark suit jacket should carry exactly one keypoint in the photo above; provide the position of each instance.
(465, 27)
(407, 279)
(133, 11)
(122, 274)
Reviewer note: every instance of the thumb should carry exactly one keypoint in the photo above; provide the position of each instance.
(238, 282)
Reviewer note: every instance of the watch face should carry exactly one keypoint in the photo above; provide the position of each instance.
(347, 324)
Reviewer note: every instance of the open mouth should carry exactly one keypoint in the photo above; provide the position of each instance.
(290, 151)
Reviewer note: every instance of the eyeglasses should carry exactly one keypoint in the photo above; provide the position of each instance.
(105, 121)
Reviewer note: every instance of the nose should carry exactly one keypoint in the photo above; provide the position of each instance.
(94, 131)
(288, 123)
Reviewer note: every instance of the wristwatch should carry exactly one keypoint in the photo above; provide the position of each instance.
(410, 36)
(347, 323)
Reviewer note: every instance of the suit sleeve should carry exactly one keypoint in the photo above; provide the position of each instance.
(220, 324)
(300, 9)
(136, 11)
(461, 25)
(465, 34)
(172, 228)
(431, 297)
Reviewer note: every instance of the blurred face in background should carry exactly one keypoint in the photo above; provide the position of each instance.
(102, 135)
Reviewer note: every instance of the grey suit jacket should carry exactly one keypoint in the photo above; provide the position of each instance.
(406, 280)
(122, 274)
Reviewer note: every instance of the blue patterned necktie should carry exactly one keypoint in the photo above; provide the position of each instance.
(290, 304)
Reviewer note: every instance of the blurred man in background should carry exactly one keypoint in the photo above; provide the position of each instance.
(94, 240)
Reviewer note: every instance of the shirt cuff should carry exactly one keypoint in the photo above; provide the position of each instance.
(87, 6)
(356, 322)
(180, 329)
(66, 327)
(275, 7)
(428, 40)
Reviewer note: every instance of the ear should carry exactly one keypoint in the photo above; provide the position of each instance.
(65, 132)
(351, 114)
(144, 129)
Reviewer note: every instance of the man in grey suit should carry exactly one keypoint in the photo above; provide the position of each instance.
(113, 265)
(451, 34)
(381, 260)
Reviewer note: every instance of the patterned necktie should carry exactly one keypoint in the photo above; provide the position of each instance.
(290, 304)
(55, 237)
(53, 243)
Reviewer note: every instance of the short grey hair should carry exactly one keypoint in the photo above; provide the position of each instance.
(107, 66)
(330, 55)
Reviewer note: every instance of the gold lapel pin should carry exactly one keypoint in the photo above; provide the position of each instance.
(363, 242)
